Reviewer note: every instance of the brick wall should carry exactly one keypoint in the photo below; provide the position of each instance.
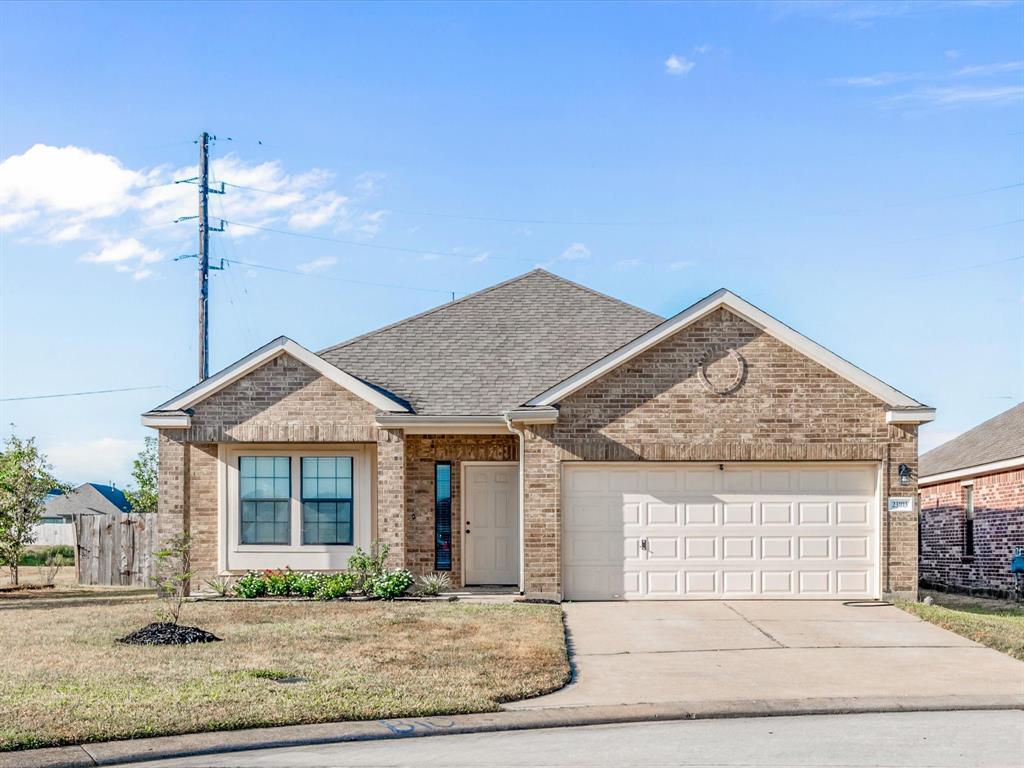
(654, 408)
(421, 456)
(998, 531)
(282, 401)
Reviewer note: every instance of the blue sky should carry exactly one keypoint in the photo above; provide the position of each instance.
(849, 168)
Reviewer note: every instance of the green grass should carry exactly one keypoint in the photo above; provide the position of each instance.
(995, 623)
(64, 680)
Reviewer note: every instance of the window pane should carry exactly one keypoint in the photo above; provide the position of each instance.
(264, 492)
(443, 517)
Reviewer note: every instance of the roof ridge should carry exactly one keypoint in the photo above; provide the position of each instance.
(972, 430)
(477, 294)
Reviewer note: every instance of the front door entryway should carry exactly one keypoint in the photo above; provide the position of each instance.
(491, 523)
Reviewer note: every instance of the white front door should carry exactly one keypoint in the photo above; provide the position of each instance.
(490, 522)
(675, 531)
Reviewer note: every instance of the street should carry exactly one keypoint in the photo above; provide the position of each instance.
(977, 739)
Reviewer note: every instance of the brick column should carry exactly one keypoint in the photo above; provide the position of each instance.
(899, 529)
(172, 504)
(391, 493)
(542, 514)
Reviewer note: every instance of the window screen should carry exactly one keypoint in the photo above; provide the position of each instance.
(326, 499)
(265, 495)
(443, 516)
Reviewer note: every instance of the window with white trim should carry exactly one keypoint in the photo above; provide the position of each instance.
(264, 494)
(326, 499)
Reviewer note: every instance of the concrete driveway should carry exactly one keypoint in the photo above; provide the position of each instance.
(661, 652)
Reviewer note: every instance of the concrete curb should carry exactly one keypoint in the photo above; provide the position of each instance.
(166, 747)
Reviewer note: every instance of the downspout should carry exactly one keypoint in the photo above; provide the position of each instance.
(522, 502)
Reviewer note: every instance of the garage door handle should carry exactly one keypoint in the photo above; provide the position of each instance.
(643, 544)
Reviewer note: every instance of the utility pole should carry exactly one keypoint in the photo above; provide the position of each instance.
(204, 255)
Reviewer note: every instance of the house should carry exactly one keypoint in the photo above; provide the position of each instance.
(57, 525)
(714, 454)
(972, 507)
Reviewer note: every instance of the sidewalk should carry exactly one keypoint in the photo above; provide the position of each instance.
(166, 747)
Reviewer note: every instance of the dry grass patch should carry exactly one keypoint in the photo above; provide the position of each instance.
(996, 623)
(64, 680)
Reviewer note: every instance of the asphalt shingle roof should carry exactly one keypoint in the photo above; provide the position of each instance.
(495, 349)
(1001, 437)
(88, 498)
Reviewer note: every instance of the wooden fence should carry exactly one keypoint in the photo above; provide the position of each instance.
(115, 549)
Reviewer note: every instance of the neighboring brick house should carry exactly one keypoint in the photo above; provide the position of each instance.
(972, 508)
(542, 435)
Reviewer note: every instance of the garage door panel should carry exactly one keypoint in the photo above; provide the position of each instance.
(767, 532)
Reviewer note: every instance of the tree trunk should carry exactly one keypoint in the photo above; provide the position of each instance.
(14, 573)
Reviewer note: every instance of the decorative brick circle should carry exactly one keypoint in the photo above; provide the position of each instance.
(729, 386)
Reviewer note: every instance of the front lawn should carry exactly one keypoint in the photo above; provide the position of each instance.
(995, 623)
(64, 680)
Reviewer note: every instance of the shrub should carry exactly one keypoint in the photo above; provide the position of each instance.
(278, 582)
(367, 567)
(41, 555)
(390, 584)
(306, 584)
(334, 586)
(220, 587)
(433, 584)
(252, 585)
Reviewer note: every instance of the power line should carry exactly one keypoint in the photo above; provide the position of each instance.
(339, 279)
(80, 394)
(466, 217)
(969, 267)
(375, 246)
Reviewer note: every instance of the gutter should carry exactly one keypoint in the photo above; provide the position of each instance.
(522, 501)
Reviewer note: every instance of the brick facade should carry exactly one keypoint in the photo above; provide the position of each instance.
(654, 408)
(422, 454)
(998, 531)
(282, 401)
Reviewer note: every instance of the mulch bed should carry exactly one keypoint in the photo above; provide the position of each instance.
(164, 633)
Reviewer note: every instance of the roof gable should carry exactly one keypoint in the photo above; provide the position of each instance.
(904, 407)
(493, 350)
(173, 413)
(88, 498)
(998, 439)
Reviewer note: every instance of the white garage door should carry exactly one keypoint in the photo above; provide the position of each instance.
(667, 531)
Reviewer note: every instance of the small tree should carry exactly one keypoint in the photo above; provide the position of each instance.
(25, 480)
(173, 574)
(143, 494)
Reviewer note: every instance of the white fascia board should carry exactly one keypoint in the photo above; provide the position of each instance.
(413, 424)
(533, 415)
(976, 471)
(910, 416)
(725, 298)
(281, 346)
(180, 420)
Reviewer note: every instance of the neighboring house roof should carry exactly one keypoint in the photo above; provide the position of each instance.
(999, 439)
(88, 498)
(493, 350)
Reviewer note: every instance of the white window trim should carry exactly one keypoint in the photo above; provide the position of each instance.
(235, 557)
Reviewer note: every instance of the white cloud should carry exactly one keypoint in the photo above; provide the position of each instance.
(67, 180)
(71, 194)
(128, 249)
(876, 81)
(316, 265)
(952, 54)
(678, 65)
(702, 48)
(575, 252)
(100, 461)
(628, 263)
(959, 97)
(675, 266)
(480, 257)
(984, 70)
